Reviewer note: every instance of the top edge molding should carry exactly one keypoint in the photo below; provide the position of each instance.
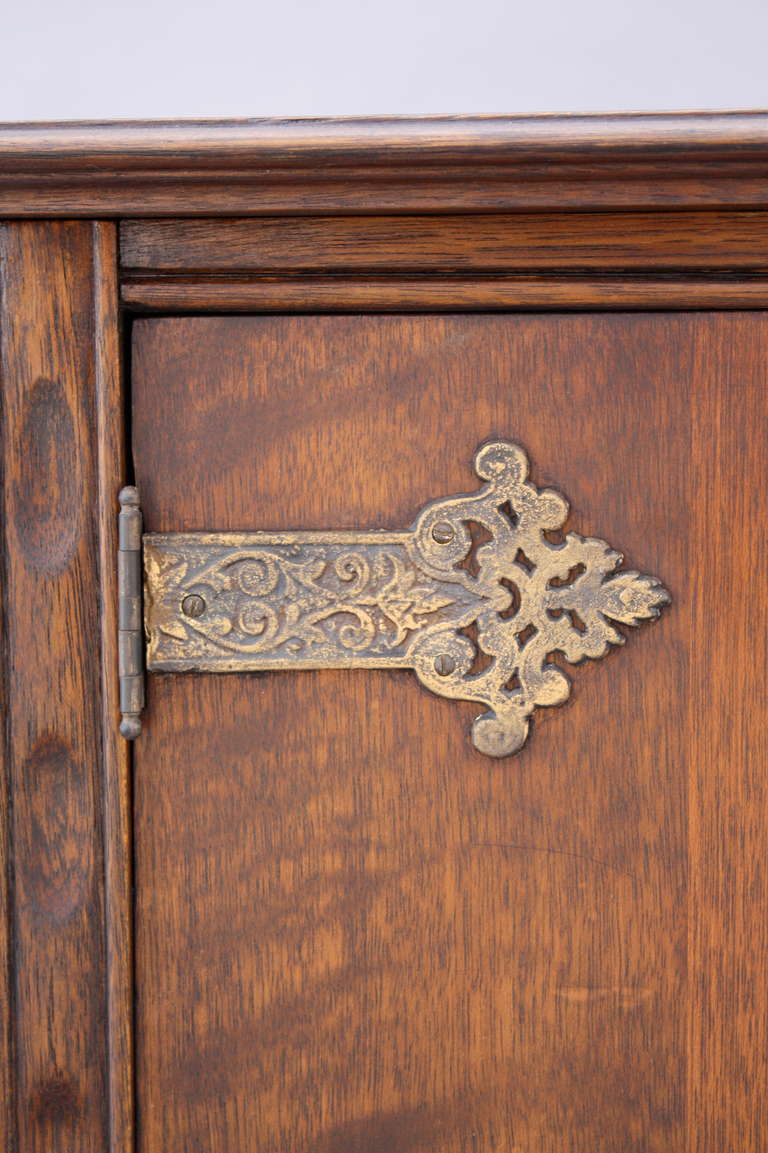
(154, 143)
(430, 164)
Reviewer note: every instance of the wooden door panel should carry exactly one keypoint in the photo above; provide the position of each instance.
(356, 934)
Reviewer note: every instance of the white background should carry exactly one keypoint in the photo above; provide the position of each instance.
(78, 59)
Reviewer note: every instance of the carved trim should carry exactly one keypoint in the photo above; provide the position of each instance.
(440, 164)
(437, 293)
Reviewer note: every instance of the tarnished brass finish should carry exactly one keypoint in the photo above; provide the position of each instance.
(474, 598)
(130, 642)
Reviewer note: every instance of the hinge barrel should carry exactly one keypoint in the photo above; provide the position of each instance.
(130, 640)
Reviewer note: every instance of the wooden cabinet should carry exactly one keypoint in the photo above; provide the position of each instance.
(303, 912)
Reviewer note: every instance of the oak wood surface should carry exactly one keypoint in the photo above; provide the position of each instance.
(441, 293)
(565, 260)
(492, 243)
(116, 759)
(438, 164)
(7, 1079)
(57, 326)
(354, 933)
(728, 726)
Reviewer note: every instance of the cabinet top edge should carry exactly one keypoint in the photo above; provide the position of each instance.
(429, 139)
(388, 164)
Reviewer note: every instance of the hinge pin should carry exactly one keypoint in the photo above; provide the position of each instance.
(130, 642)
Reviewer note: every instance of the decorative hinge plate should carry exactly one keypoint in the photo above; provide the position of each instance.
(475, 598)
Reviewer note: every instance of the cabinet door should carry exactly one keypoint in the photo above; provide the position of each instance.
(354, 932)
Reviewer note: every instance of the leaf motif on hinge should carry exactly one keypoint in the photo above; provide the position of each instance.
(570, 594)
(411, 599)
(632, 597)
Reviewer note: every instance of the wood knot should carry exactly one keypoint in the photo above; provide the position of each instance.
(46, 489)
(55, 1099)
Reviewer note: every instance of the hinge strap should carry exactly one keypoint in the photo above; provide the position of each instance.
(474, 597)
(130, 639)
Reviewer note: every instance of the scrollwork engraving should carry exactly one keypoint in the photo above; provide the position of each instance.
(407, 599)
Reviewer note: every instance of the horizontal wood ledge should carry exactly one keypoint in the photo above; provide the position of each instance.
(440, 294)
(439, 164)
(491, 243)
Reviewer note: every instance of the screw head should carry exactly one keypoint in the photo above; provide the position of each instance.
(443, 532)
(193, 606)
(444, 665)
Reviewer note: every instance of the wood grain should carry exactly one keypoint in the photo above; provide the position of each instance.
(111, 468)
(490, 243)
(53, 311)
(438, 164)
(440, 293)
(354, 933)
(7, 1048)
(728, 726)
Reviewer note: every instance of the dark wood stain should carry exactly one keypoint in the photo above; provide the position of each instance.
(47, 510)
(354, 930)
(55, 1102)
(51, 618)
(53, 850)
(404, 1131)
(484, 292)
(565, 260)
(355, 934)
(728, 722)
(513, 242)
(384, 165)
(111, 408)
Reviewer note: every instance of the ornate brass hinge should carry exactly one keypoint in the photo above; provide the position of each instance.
(475, 597)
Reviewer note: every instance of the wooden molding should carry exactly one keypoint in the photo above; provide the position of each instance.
(512, 242)
(467, 262)
(441, 294)
(268, 167)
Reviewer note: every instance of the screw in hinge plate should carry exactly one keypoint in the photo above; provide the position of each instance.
(130, 640)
